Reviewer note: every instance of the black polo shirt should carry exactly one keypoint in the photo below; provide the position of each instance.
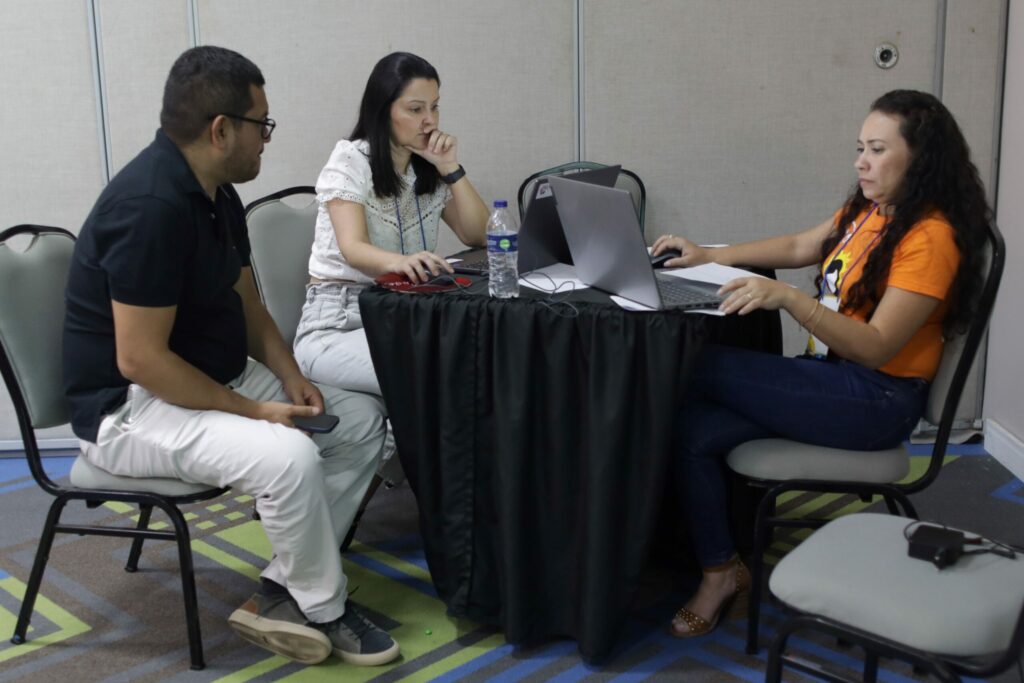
(154, 238)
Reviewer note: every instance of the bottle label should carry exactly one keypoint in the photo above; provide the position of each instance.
(503, 244)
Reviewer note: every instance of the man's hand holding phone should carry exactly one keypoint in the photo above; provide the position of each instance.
(315, 424)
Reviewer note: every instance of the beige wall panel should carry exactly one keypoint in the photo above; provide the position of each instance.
(48, 127)
(48, 120)
(971, 88)
(506, 74)
(139, 42)
(742, 117)
(1004, 380)
(972, 77)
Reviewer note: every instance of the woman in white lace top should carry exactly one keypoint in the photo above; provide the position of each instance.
(382, 195)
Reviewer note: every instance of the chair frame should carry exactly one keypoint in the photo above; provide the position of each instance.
(581, 166)
(895, 495)
(93, 498)
(947, 669)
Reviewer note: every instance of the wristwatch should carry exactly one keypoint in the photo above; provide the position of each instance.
(454, 176)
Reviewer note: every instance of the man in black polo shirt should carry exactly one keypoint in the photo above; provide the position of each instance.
(173, 367)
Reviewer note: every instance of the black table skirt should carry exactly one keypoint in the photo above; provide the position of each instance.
(536, 439)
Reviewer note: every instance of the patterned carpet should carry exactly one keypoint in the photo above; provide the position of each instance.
(94, 622)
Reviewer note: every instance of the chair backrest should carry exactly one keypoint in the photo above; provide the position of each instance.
(32, 283)
(627, 180)
(281, 235)
(958, 357)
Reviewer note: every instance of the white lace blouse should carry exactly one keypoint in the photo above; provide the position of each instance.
(347, 176)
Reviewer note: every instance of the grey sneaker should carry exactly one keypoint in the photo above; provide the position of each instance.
(276, 623)
(357, 640)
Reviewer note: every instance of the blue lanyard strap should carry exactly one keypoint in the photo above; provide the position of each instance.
(401, 233)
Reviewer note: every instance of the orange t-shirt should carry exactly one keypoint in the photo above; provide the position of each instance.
(924, 262)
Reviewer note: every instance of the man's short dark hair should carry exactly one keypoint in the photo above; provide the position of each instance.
(203, 82)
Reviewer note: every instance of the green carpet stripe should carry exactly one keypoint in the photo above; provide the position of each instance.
(68, 625)
(256, 670)
(226, 559)
(461, 657)
(392, 561)
(250, 537)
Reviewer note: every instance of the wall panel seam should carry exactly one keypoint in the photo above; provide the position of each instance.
(578, 76)
(942, 12)
(193, 23)
(99, 83)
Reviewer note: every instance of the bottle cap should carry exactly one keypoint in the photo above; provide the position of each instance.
(500, 204)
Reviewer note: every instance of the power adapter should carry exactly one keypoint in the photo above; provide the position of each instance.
(938, 545)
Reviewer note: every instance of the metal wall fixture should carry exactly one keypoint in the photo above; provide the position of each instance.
(886, 55)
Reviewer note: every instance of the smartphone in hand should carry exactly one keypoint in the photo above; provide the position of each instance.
(316, 424)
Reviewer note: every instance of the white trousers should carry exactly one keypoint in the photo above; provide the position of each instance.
(331, 348)
(307, 490)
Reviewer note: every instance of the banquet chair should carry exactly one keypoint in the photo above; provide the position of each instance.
(34, 263)
(281, 235)
(855, 580)
(627, 180)
(781, 466)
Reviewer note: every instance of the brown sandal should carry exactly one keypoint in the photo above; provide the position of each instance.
(733, 605)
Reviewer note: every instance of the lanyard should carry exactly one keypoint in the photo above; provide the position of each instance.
(839, 247)
(401, 234)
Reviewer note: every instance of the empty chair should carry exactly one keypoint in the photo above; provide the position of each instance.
(854, 579)
(627, 180)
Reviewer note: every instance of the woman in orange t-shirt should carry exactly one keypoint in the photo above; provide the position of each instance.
(898, 266)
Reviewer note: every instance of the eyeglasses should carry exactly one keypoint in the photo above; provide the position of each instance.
(267, 125)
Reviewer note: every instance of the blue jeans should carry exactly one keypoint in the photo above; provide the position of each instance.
(738, 396)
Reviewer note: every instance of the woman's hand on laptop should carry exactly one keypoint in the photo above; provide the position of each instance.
(690, 254)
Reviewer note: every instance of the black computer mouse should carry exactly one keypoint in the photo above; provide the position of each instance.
(659, 260)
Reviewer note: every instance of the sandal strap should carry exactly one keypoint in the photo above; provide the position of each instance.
(698, 624)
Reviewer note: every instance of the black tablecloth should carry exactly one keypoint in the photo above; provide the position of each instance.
(536, 438)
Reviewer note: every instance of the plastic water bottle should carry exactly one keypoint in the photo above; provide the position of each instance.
(502, 252)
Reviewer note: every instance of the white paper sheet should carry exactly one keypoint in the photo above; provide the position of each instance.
(556, 278)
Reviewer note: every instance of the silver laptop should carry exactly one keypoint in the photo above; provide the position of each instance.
(541, 241)
(609, 252)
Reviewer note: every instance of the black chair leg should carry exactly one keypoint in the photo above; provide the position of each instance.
(762, 533)
(188, 586)
(773, 670)
(890, 504)
(35, 579)
(870, 667)
(145, 510)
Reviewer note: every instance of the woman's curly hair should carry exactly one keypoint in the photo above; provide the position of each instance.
(940, 177)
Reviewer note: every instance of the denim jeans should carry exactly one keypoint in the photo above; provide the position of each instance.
(738, 396)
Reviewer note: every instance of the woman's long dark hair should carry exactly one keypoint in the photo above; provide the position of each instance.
(940, 177)
(386, 83)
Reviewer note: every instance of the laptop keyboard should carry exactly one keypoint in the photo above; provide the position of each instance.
(475, 264)
(679, 293)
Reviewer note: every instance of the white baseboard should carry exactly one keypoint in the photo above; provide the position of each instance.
(1004, 447)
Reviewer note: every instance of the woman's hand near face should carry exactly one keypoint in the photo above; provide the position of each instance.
(421, 266)
(690, 254)
(441, 150)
